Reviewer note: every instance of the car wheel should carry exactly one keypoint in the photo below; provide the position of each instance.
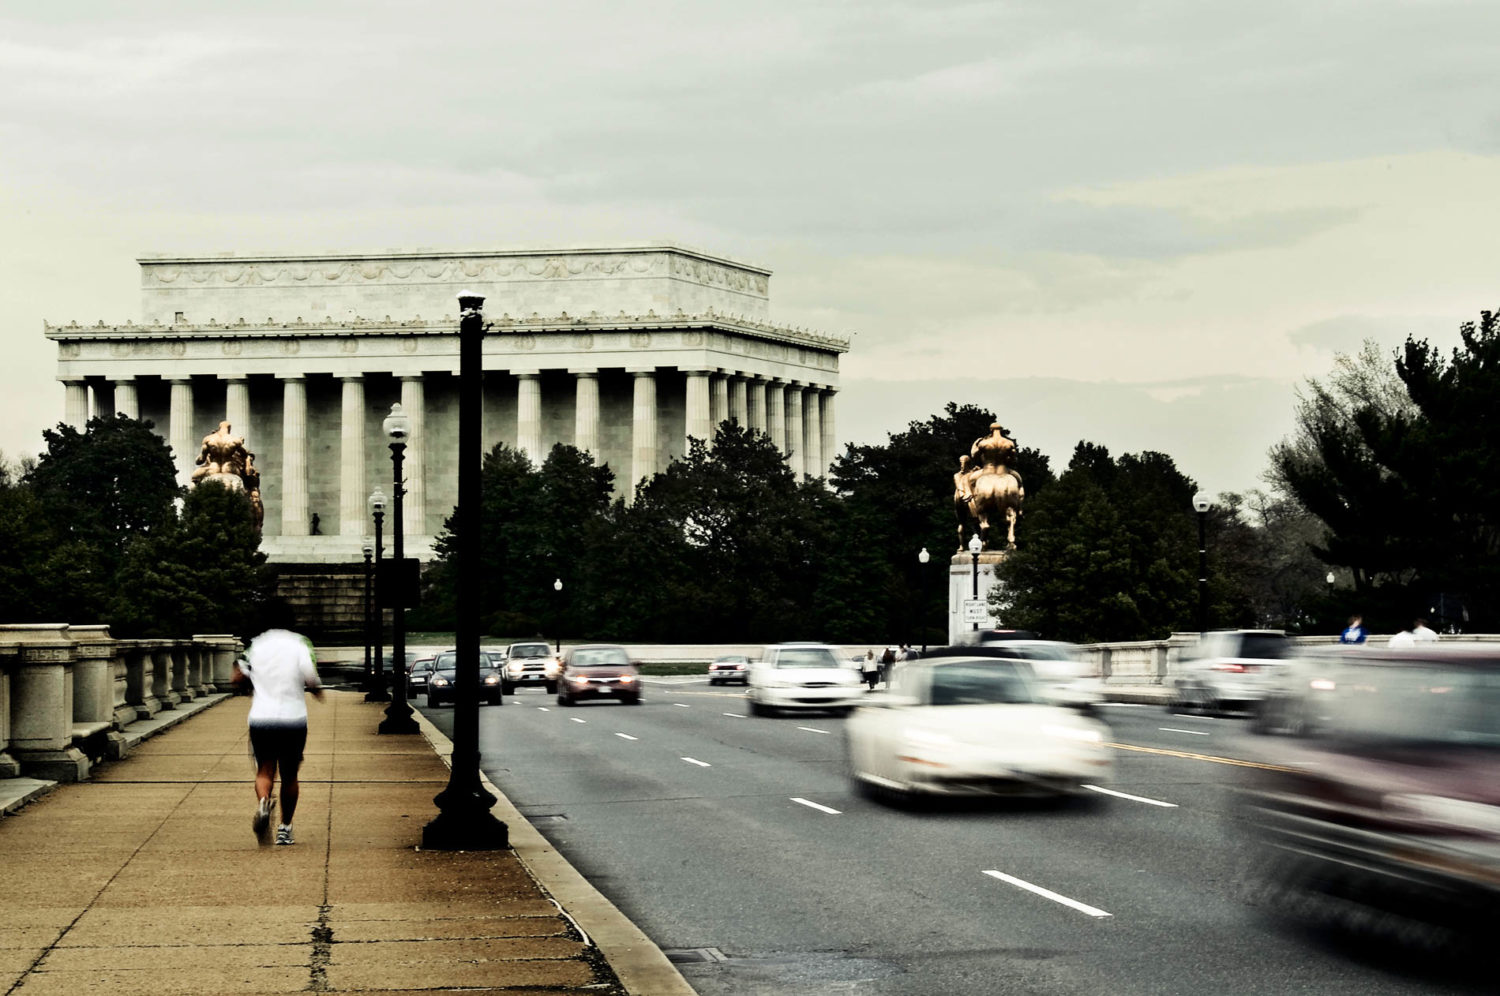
(634, 700)
(551, 688)
(756, 709)
(432, 702)
(843, 711)
(506, 688)
(563, 700)
(495, 700)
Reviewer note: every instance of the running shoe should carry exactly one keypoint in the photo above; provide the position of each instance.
(261, 823)
(284, 834)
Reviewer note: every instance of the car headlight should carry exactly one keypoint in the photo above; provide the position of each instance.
(1082, 733)
(626, 678)
(492, 679)
(513, 668)
(579, 679)
(778, 683)
(440, 681)
(551, 668)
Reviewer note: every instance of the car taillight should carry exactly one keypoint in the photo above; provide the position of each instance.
(1232, 668)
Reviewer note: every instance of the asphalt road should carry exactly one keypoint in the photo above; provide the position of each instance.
(740, 847)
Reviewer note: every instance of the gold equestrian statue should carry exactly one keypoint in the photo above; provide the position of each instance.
(987, 488)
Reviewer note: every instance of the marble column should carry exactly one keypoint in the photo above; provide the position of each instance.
(126, 401)
(830, 439)
(529, 415)
(76, 403)
(812, 433)
(586, 411)
(237, 408)
(699, 415)
(776, 414)
(414, 461)
(757, 403)
(720, 404)
(794, 438)
(180, 429)
(294, 455)
(739, 401)
(351, 456)
(643, 430)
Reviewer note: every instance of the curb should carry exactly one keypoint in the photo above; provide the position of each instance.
(1145, 695)
(635, 959)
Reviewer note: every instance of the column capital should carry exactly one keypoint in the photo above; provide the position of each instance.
(409, 377)
(73, 381)
(526, 374)
(291, 376)
(178, 378)
(641, 371)
(584, 371)
(350, 375)
(233, 377)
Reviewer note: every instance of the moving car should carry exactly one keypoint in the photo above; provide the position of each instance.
(1061, 672)
(531, 664)
(730, 667)
(417, 676)
(1229, 670)
(598, 671)
(968, 721)
(442, 682)
(798, 676)
(1387, 816)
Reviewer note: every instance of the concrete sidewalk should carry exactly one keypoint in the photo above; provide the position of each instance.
(147, 879)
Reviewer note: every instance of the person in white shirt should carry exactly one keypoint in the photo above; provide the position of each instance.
(278, 666)
(1421, 634)
(1402, 639)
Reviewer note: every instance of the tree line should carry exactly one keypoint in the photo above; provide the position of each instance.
(1390, 484)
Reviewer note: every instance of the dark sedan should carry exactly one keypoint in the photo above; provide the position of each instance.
(441, 685)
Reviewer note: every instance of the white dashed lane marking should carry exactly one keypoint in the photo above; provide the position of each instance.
(694, 760)
(682, 705)
(626, 736)
(818, 806)
(734, 715)
(810, 729)
(1048, 894)
(1132, 798)
(1173, 729)
(577, 720)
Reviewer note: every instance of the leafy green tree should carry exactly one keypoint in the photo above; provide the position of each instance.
(202, 573)
(1110, 552)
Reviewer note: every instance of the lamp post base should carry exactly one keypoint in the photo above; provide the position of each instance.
(465, 823)
(398, 719)
(378, 695)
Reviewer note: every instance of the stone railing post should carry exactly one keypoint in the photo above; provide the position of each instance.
(178, 649)
(1106, 662)
(94, 655)
(138, 703)
(41, 712)
(220, 650)
(1159, 659)
(161, 674)
(10, 654)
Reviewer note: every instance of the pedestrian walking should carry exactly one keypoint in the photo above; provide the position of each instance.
(1354, 632)
(278, 666)
(1421, 634)
(869, 669)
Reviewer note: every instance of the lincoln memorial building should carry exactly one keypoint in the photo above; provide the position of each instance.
(623, 352)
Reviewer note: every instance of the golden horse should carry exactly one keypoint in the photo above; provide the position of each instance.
(986, 490)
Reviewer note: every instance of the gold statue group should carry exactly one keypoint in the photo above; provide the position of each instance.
(987, 488)
(223, 458)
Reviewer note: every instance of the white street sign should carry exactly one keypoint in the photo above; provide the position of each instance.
(976, 610)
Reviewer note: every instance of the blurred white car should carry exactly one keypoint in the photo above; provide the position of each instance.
(1061, 671)
(973, 726)
(802, 676)
(1230, 669)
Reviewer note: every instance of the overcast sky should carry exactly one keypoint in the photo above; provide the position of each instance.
(1136, 223)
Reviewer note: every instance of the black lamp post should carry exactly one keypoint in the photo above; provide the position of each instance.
(1202, 502)
(557, 634)
(975, 546)
(464, 821)
(923, 558)
(377, 511)
(398, 718)
(369, 551)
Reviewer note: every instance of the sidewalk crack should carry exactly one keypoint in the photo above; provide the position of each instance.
(322, 952)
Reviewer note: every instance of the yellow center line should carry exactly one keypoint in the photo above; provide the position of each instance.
(1201, 757)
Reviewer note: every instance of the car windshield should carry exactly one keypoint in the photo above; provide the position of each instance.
(530, 650)
(732, 660)
(446, 660)
(1409, 706)
(1263, 646)
(807, 657)
(980, 684)
(600, 657)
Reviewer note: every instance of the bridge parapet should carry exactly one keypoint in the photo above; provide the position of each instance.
(70, 694)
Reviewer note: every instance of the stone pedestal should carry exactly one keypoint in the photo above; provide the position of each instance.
(961, 588)
(41, 713)
(94, 690)
(219, 652)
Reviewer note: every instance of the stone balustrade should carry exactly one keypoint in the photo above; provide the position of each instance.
(71, 696)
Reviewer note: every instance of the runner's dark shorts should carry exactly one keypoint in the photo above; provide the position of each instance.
(283, 743)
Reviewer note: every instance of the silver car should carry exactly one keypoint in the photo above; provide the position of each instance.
(1230, 670)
